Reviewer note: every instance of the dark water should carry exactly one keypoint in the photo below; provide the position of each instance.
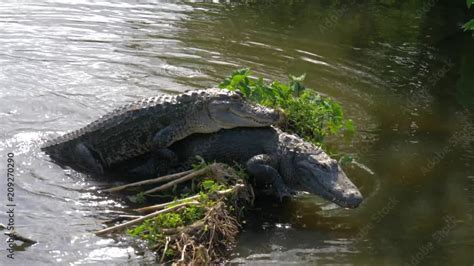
(402, 70)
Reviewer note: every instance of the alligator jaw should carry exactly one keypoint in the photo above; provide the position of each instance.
(344, 192)
(242, 114)
(331, 183)
(260, 115)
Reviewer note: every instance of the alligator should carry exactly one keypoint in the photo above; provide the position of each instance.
(152, 125)
(271, 157)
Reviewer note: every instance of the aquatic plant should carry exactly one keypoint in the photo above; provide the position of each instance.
(309, 114)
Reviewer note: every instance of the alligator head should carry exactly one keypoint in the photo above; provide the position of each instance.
(230, 109)
(313, 171)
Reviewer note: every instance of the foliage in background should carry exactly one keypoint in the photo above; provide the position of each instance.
(310, 115)
(470, 24)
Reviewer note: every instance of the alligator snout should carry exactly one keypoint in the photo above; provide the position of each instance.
(353, 199)
(324, 177)
(346, 193)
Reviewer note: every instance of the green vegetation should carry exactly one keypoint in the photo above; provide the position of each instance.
(202, 223)
(310, 115)
(150, 229)
(210, 186)
(470, 24)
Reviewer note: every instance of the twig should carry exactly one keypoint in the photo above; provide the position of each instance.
(212, 236)
(149, 181)
(168, 239)
(176, 241)
(164, 205)
(190, 176)
(141, 219)
(183, 253)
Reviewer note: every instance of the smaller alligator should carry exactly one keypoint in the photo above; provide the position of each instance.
(270, 156)
(153, 124)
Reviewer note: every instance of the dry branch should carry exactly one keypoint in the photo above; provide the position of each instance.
(212, 167)
(168, 239)
(149, 181)
(143, 218)
(164, 205)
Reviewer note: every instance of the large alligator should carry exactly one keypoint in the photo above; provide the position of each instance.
(153, 124)
(269, 155)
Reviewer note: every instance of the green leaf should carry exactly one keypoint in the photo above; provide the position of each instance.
(242, 71)
(295, 85)
(298, 78)
(469, 25)
(207, 184)
(236, 80)
(280, 90)
(245, 89)
(469, 3)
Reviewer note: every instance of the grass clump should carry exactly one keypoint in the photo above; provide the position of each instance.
(310, 115)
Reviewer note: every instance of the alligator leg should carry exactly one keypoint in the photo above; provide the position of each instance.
(170, 134)
(87, 160)
(263, 166)
(164, 138)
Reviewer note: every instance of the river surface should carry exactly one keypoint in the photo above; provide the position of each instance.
(402, 70)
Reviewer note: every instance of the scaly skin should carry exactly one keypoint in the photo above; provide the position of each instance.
(270, 156)
(153, 124)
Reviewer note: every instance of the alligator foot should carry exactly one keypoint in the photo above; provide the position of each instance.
(167, 136)
(263, 167)
(281, 192)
